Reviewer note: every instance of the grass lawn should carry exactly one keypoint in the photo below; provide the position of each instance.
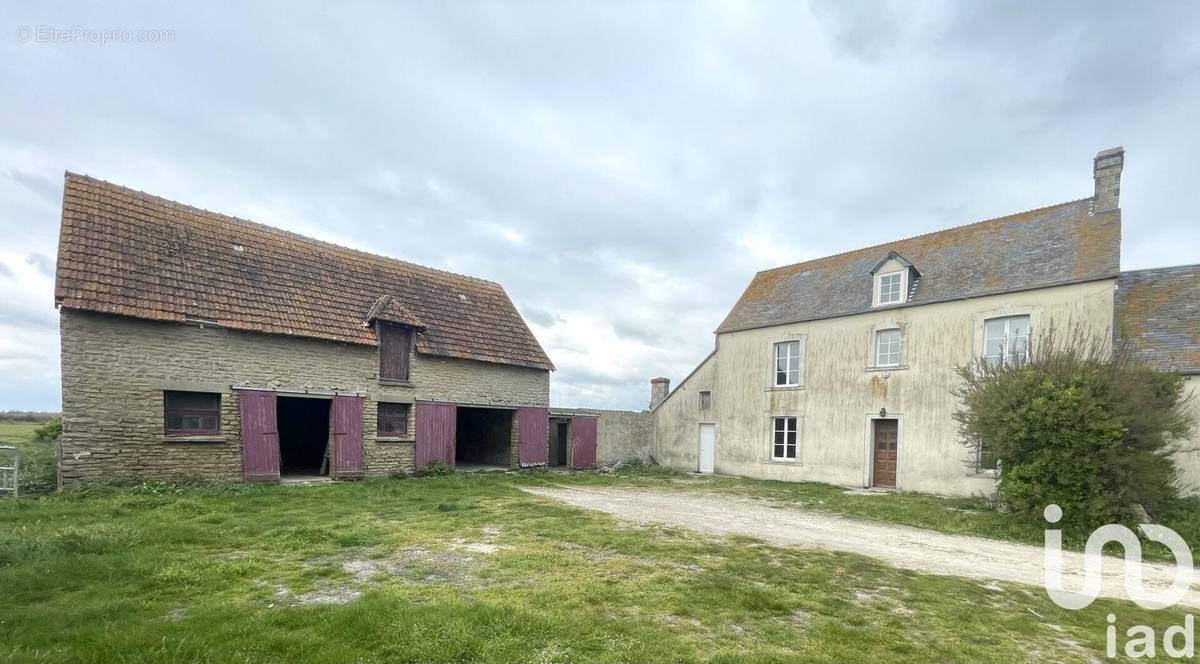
(470, 568)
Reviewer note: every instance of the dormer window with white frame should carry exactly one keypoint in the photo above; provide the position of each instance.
(892, 278)
(889, 288)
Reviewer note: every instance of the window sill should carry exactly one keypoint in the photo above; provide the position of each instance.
(782, 462)
(985, 474)
(898, 367)
(394, 439)
(391, 382)
(784, 388)
(193, 439)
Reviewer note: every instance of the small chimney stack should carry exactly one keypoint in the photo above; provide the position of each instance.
(1107, 173)
(659, 388)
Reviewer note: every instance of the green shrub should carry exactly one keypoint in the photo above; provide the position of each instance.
(436, 468)
(49, 432)
(39, 459)
(1076, 424)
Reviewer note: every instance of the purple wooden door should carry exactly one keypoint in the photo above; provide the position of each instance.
(260, 436)
(436, 428)
(346, 419)
(533, 435)
(583, 441)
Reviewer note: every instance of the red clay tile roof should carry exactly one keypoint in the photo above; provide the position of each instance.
(129, 253)
(1049, 246)
(390, 310)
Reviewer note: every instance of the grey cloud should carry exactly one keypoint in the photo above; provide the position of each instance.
(632, 147)
(5, 270)
(45, 188)
(43, 263)
(541, 316)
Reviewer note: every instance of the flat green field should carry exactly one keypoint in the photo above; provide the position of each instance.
(470, 568)
(16, 432)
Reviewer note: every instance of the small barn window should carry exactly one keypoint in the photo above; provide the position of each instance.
(705, 400)
(393, 420)
(395, 346)
(191, 413)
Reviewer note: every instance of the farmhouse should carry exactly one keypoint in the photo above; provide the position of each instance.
(197, 345)
(841, 369)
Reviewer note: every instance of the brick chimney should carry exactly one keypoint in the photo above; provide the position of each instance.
(659, 388)
(1107, 173)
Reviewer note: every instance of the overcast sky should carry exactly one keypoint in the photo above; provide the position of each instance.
(622, 169)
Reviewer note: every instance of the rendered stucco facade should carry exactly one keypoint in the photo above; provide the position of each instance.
(115, 369)
(841, 391)
(1187, 452)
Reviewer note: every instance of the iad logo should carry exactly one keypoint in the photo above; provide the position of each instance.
(1141, 641)
(1093, 562)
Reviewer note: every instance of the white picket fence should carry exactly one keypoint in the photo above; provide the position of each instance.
(10, 471)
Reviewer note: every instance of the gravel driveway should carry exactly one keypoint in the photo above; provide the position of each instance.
(902, 546)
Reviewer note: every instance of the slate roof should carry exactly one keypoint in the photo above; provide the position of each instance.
(1158, 314)
(1049, 246)
(125, 252)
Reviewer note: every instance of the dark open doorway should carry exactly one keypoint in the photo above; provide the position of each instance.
(303, 435)
(483, 438)
(560, 433)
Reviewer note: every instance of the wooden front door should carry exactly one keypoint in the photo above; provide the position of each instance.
(885, 453)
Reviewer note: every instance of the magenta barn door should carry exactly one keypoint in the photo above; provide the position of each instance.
(347, 421)
(260, 436)
(436, 428)
(533, 434)
(583, 441)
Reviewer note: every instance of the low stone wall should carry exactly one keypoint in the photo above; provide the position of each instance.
(621, 435)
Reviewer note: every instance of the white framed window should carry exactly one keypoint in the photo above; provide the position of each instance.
(889, 288)
(787, 364)
(783, 439)
(887, 348)
(1006, 339)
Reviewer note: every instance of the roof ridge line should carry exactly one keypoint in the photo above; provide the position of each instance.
(1158, 269)
(920, 235)
(274, 229)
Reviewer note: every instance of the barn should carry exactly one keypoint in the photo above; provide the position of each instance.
(197, 345)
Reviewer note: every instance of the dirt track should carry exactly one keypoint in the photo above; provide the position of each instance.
(901, 546)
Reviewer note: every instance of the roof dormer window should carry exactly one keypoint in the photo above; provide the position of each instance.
(890, 289)
(893, 279)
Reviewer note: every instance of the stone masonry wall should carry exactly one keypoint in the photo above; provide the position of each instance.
(115, 369)
(621, 435)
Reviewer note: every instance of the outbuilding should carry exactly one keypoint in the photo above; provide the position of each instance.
(199, 345)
